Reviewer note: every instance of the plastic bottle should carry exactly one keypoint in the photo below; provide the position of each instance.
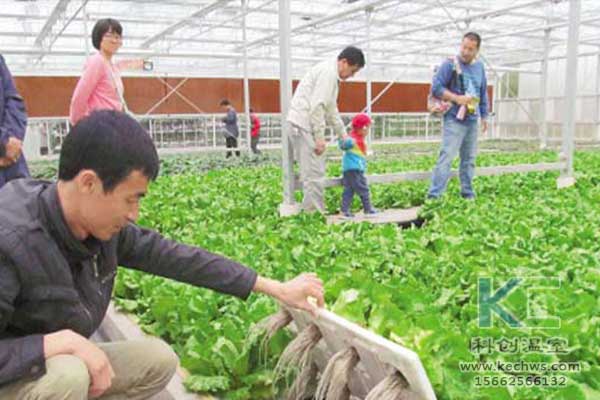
(462, 111)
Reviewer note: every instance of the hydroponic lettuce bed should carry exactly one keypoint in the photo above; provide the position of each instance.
(416, 287)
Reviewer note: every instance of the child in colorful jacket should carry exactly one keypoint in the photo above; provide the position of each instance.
(354, 164)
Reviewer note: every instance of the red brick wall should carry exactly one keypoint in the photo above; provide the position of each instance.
(50, 96)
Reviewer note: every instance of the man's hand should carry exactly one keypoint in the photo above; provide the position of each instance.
(484, 125)
(295, 293)
(13, 149)
(320, 146)
(96, 361)
(462, 100)
(99, 367)
(5, 162)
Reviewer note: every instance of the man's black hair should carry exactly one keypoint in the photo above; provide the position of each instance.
(110, 143)
(474, 37)
(353, 55)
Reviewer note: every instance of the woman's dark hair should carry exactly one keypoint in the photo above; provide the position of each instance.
(102, 27)
(225, 102)
(110, 143)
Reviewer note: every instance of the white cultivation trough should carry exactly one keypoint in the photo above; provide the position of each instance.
(379, 357)
(426, 175)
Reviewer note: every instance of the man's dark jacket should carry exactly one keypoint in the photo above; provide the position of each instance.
(50, 281)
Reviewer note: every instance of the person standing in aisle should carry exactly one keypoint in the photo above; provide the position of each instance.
(462, 81)
(255, 132)
(313, 107)
(232, 131)
(13, 125)
(354, 166)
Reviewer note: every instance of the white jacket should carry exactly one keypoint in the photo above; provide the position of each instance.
(314, 104)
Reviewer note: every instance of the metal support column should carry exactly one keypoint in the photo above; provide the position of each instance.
(568, 143)
(597, 119)
(369, 14)
(86, 32)
(246, 84)
(496, 108)
(543, 125)
(214, 130)
(285, 95)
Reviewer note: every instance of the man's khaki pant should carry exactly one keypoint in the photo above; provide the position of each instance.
(312, 169)
(142, 369)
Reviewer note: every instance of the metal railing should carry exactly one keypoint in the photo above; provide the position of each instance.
(521, 118)
(206, 131)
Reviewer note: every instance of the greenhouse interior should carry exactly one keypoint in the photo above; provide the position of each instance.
(300, 200)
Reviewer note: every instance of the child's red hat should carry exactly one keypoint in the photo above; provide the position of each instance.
(360, 121)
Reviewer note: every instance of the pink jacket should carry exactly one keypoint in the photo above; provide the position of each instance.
(96, 89)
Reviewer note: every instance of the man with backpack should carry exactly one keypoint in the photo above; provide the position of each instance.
(462, 82)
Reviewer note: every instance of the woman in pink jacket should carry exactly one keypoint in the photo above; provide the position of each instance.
(100, 86)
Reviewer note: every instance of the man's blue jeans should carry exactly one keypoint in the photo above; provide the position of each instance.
(457, 138)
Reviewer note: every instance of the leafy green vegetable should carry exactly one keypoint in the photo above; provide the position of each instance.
(417, 287)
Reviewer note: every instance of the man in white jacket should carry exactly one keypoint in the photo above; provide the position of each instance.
(313, 106)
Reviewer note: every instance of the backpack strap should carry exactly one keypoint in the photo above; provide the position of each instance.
(457, 75)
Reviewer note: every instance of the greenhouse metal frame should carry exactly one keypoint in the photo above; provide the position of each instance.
(403, 40)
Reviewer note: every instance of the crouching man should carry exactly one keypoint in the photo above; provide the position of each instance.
(60, 244)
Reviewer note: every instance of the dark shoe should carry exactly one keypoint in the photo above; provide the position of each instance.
(372, 212)
(347, 215)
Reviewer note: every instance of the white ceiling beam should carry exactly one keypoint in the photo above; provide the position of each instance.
(49, 34)
(58, 13)
(183, 22)
(558, 57)
(223, 24)
(325, 19)
(444, 23)
(222, 55)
